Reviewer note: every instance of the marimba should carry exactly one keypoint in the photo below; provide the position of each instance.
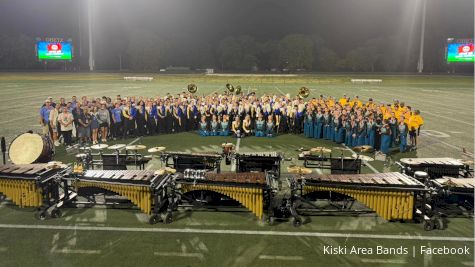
(210, 161)
(254, 191)
(258, 161)
(435, 167)
(145, 189)
(32, 185)
(391, 195)
(336, 165)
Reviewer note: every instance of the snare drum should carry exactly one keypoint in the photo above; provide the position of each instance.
(30, 148)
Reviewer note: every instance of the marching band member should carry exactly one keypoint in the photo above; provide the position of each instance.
(203, 127)
(370, 131)
(318, 124)
(224, 124)
(260, 126)
(214, 126)
(308, 124)
(385, 137)
(402, 130)
(246, 126)
(236, 127)
(393, 125)
(270, 127)
(415, 123)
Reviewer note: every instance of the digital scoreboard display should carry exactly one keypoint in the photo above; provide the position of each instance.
(460, 50)
(54, 49)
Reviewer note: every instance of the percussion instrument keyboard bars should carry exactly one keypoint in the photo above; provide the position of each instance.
(390, 195)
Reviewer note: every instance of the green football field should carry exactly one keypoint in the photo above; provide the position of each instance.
(122, 237)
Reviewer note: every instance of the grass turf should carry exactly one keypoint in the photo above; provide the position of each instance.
(446, 103)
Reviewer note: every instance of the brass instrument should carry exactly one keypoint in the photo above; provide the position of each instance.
(238, 90)
(192, 88)
(304, 92)
(230, 87)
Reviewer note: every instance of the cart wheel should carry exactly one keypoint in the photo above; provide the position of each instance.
(296, 222)
(167, 218)
(154, 219)
(439, 224)
(428, 225)
(41, 215)
(56, 213)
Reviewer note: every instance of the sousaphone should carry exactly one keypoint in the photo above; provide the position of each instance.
(230, 87)
(192, 88)
(304, 92)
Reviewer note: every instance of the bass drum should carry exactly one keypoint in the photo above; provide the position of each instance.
(30, 148)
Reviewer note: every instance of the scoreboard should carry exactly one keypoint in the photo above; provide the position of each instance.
(54, 49)
(460, 50)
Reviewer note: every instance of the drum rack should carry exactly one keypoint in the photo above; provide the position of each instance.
(199, 161)
(258, 161)
(436, 167)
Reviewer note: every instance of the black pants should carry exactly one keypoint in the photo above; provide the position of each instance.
(67, 137)
(117, 129)
(129, 128)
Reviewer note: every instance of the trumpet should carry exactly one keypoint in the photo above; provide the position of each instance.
(304, 92)
(192, 88)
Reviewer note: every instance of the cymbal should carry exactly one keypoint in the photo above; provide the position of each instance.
(135, 147)
(227, 144)
(299, 170)
(156, 149)
(81, 155)
(148, 156)
(55, 165)
(165, 170)
(99, 146)
(362, 157)
(320, 150)
(116, 146)
(364, 148)
(85, 148)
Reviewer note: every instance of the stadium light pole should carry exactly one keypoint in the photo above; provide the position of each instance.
(89, 26)
(420, 63)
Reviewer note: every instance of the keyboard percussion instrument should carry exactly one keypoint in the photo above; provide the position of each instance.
(416, 194)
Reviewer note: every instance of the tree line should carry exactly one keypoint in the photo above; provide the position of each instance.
(146, 51)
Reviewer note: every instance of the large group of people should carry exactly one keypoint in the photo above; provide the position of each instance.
(347, 120)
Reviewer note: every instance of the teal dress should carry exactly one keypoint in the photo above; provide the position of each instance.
(224, 131)
(204, 129)
(214, 128)
(260, 128)
(270, 129)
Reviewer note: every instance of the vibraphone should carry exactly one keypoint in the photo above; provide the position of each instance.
(150, 192)
(258, 161)
(391, 195)
(254, 191)
(435, 167)
(181, 161)
(32, 185)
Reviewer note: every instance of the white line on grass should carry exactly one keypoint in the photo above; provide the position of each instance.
(238, 142)
(280, 91)
(131, 143)
(281, 258)
(180, 254)
(385, 261)
(366, 163)
(236, 232)
(75, 251)
(442, 142)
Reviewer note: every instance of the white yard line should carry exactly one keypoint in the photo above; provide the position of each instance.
(366, 163)
(445, 143)
(385, 261)
(233, 166)
(280, 91)
(131, 143)
(236, 232)
(180, 254)
(75, 251)
(447, 118)
(281, 258)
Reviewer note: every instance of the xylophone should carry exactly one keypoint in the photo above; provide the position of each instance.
(150, 192)
(258, 161)
(391, 195)
(435, 167)
(449, 190)
(181, 161)
(32, 185)
(254, 191)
